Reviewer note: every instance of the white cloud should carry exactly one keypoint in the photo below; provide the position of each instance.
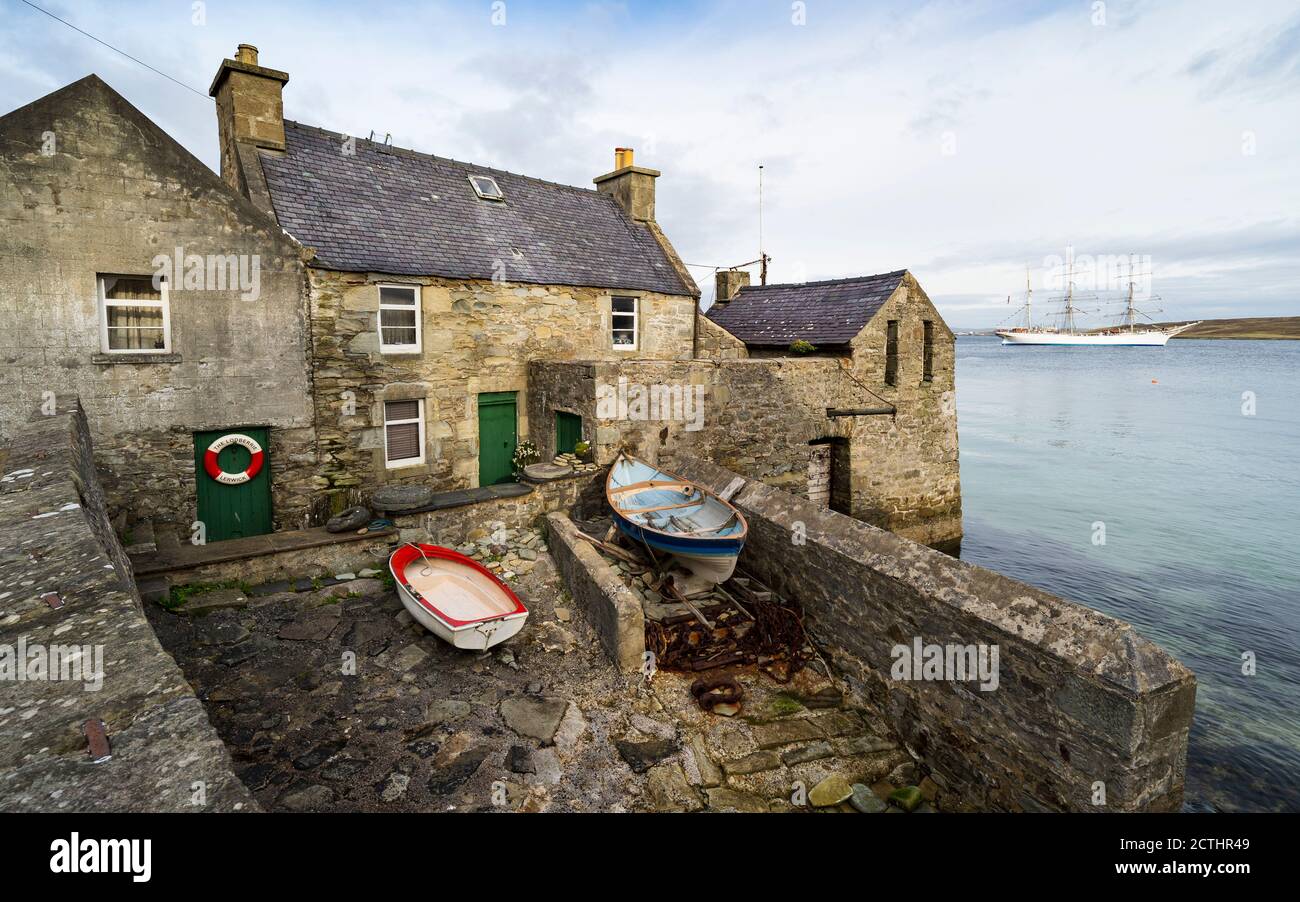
(1118, 139)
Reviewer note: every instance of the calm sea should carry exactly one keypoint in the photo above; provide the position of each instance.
(1201, 507)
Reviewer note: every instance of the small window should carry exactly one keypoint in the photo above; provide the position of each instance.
(403, 433)
(133, 316)
(399, 319)
(927, 369)
(623, 322)
(486, 187)
(891, 352)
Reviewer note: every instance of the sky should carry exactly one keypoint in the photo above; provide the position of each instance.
(969, 142)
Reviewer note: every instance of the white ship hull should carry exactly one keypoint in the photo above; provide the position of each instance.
(1115, 339)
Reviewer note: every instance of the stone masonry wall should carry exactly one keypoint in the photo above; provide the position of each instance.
(712, 342)
(478, 336)
(65, 581)
(1081, 698)
(113, 192)
(766, 419)
(905, 474)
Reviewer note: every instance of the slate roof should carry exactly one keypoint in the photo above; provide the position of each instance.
(823, 313)
(397, 211)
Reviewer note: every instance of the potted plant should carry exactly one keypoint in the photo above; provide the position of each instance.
(583, 450)
(525, 454)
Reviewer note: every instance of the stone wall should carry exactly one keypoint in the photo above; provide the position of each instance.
(65, 581)
(478, 336)
(113, 192)
(766, 419)
(1083, 704)
(712, 342)
(905, 467)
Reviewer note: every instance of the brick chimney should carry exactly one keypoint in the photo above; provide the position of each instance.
(632, 186)
(728, 283)
(250, 110)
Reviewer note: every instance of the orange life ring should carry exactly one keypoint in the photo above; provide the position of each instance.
(235, 438)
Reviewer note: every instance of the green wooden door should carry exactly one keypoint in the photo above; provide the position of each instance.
(497, 435)
(234, 511)
(568, 432)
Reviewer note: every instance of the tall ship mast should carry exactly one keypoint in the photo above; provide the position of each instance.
(1131, 334)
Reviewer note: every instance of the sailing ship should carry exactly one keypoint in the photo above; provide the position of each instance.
(1131, 333)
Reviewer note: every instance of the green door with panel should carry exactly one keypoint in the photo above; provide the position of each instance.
(232, 507)
(568, 432)
(497, 436)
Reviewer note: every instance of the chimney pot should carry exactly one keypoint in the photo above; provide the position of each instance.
(622, 157)
(246, 53)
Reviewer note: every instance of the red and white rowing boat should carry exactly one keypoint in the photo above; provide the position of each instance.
(455, 597)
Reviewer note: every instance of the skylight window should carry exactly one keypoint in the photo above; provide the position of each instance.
(486, 187)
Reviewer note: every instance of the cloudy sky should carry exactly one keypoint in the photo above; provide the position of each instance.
(964, 141)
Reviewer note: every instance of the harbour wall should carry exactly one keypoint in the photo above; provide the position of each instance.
(1086, 715)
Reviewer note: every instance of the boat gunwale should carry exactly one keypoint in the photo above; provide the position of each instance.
(448, 554)
(739, 536)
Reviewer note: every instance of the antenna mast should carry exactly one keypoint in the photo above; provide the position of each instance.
(762, 256)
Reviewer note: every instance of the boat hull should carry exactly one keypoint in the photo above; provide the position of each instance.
(461, 617)
(714, 561)
(1117, 339)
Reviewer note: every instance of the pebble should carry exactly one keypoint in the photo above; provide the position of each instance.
(907, 797)
(866, 801)
(831, 791)
(396, 787)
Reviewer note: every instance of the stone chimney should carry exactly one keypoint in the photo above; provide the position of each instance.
(632, 186)
(728, 283)
(250, 110)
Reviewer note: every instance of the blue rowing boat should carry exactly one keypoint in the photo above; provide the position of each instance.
(676, 516)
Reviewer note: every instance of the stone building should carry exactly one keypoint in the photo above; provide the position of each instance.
(891, 457)
(432, 283)
(132, 276)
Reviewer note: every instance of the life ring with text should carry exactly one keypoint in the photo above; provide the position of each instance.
(214, 469)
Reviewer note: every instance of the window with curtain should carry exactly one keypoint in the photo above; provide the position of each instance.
(134, 316)
(403, 433)
(399, 319)
(623, 321)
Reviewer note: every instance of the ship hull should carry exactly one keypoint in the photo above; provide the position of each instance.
(1117, 339)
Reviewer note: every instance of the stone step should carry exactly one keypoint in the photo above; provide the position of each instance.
(141, 538)
(154, 589)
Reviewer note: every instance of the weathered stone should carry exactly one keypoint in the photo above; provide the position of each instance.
(641, 756)
(709, 773)
(215, 600)
(445, 710)
(314, 627)
(400, 497)
(408, 657)
(538, 718)
(395, 787)
(785, 732)
(830, 791)
(722, 798)
(310, 798)
(752, 764)
(866, 801)
(519, 760)
(906, 797)
(447, 778)
(838, 723)
(813, 751)
(667, 789)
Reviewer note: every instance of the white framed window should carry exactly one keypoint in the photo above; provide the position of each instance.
(134, 317)
(399, 319)
(486, 187)
(623, 320)
(403, 433)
